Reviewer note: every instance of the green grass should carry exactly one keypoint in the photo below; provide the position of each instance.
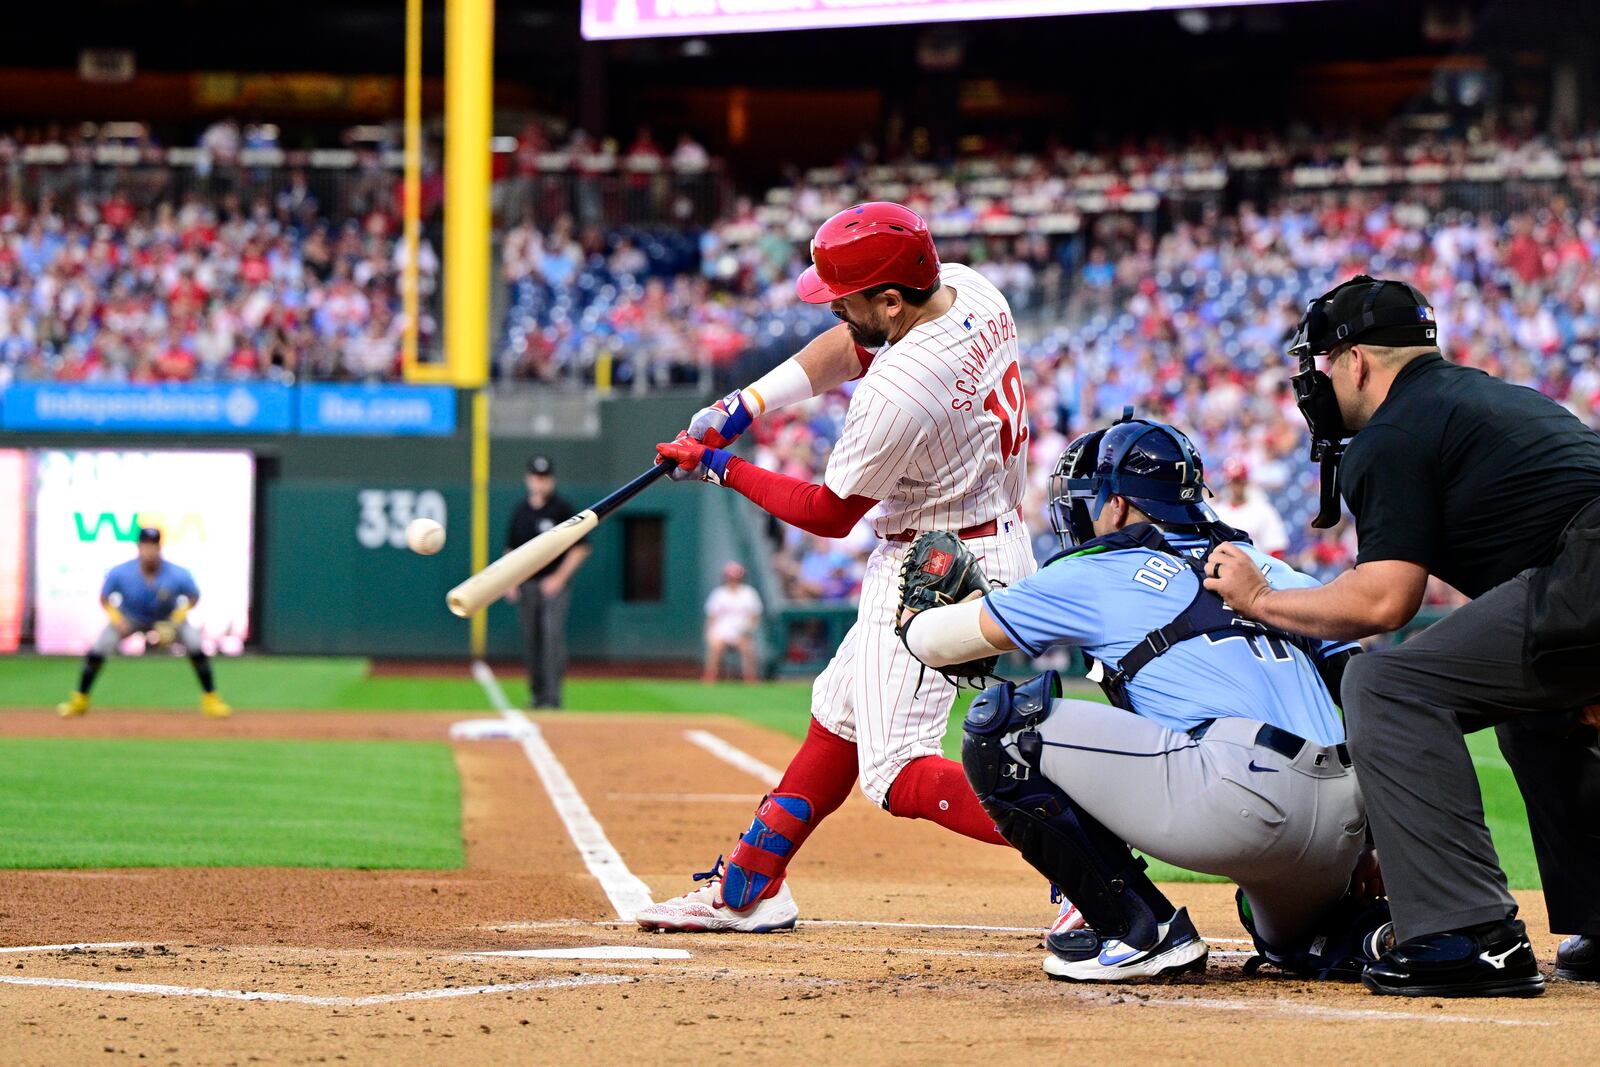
(345, 683)
(228, 803)
(292, 683)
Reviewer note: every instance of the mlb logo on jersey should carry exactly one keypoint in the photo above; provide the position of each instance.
(966, 323)
(938, 563)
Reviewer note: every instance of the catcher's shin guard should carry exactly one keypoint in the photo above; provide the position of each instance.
(1095, 869)
(1353, 934)
(757, 862)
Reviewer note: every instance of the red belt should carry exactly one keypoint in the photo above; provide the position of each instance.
(983, 529)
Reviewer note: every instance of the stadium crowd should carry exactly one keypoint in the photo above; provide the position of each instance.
(97, 289)
(1163, 278)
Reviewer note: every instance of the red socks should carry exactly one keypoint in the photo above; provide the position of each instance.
(823, 771)
(936, 789)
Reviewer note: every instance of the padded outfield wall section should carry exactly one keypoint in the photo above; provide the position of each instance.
(332, 573)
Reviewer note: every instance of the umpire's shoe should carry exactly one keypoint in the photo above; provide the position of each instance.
(1491, 960)
(1578, 959)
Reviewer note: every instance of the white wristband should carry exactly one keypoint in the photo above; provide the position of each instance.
(951, 634)
(785, 384)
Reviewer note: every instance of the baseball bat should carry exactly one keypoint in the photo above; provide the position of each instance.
(516, 566)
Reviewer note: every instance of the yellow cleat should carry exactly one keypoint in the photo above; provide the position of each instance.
(213, 706)
(75, 705)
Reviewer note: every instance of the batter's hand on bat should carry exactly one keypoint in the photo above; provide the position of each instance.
(719, 425)
(1234, 576)
(693, 459)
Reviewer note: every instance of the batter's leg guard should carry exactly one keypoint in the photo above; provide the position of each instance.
(757, 862)
(1092, 866)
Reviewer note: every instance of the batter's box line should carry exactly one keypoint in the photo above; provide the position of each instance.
(264, 996)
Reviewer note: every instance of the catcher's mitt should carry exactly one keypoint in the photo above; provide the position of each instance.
(938, 570)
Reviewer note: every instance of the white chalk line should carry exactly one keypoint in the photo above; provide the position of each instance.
(152, 989)
(592, 952)
(77, 946)
(767, 774)
(491, 687)
(627, 893)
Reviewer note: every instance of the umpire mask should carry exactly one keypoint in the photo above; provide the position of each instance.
(1344, 315)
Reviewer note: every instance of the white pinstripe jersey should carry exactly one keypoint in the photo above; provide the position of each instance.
(937, 429)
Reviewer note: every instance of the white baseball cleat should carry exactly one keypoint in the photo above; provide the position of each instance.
(1084, 956)
(702, 911)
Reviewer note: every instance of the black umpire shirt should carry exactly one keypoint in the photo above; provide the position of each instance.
(1472, 477)
(528, 522)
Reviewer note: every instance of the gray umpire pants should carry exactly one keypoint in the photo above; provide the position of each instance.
(1408, 709)
(544, 641)
(1288, 831)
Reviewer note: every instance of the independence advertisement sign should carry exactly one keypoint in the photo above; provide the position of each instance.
(222, 408)
(188, 408)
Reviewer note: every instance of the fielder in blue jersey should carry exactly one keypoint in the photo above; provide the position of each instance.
(1221, 749)
(153, 596)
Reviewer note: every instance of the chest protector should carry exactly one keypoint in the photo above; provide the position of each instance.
(1205, 615)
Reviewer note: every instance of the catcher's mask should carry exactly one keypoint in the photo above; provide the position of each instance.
(1150, 463)
(1345, 315)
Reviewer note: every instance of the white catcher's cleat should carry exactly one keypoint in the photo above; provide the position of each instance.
(1083, 956)
(702, 911)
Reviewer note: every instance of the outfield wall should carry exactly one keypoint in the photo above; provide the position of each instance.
(332, 575)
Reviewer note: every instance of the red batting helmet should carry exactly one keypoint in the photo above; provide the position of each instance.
(866, 245)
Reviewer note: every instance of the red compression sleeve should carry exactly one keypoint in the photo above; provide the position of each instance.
(864, 356)
(816, 509)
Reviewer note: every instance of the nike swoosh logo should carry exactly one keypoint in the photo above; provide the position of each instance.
(1111, 961)
(1262, 770)
(1498, 962)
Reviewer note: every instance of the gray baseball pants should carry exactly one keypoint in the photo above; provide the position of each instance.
(1288, 831)
(544, 641)
(1408, 709)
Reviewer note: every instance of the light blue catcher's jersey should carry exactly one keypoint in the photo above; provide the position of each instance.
(1106, 603)
(149, 601)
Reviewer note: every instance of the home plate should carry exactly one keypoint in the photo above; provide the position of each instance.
(592, 952)
(485, 730)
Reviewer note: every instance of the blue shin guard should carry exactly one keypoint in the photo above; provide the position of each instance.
(757, 862)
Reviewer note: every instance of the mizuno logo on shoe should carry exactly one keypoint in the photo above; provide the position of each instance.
(1498, 962)
(1262, 770)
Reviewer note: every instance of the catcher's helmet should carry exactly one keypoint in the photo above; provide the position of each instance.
(866, 245)
(1150, 463)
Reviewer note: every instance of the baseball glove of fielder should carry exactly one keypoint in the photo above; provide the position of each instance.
(938, 570)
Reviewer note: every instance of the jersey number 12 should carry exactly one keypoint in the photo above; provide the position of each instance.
(1013, 413)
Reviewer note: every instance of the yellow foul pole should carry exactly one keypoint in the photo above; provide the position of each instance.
(412, 186)
(468, 77)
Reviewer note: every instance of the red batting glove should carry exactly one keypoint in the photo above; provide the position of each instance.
(684, 451)
(693, 458)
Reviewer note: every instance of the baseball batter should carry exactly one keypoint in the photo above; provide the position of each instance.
(152, 595)
(1232, 761)
(934, 439)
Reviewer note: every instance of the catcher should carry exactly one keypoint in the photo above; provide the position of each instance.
(1221, 750)
(152, 595)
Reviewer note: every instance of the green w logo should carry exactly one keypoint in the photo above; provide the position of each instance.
(120, 532)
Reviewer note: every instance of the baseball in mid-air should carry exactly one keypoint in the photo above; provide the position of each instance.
(425, 536)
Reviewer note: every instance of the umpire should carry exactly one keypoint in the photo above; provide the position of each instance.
(1495, 489)
(543, 599)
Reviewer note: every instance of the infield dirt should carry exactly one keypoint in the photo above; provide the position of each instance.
(318, 941)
